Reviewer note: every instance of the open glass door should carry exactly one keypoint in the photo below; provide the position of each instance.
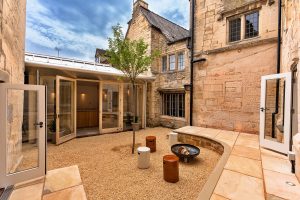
(22, 133)
(275, 112)
(65, 109)
(111, 110)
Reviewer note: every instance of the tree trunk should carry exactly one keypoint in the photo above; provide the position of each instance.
(134, 115)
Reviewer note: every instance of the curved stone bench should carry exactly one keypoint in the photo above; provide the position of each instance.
(209, 143)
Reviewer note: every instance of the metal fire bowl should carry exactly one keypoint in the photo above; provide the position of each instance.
(194, 151)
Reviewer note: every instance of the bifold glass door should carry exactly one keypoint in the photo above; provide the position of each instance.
(275, 112)
(111, 98)
(22, 133)
(65, 109)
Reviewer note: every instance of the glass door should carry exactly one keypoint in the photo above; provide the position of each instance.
(111, 112)
(65, 109)
(275, 112)
(22, 133)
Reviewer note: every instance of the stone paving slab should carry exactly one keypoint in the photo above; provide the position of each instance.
(251, 172)
(62, 184)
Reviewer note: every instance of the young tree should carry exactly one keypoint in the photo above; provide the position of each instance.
(130, 57)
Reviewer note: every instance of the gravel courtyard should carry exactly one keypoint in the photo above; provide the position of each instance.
(109, 170)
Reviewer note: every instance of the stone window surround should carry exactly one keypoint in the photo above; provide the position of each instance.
(242, 16)
(176, 53)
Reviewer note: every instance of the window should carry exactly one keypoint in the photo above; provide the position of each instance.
(172, 62)
(251, 25)
(173, 104)
(235, 30)
(164, 64)
(180, 61)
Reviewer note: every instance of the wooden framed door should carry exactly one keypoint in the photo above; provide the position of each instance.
(65, 109)
(111, 107)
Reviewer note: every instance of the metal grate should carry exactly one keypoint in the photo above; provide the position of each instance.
(252, 25)
(173, 104)
(235, 30)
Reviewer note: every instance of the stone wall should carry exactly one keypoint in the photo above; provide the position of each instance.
(211, 21)
(167, 80)
(139, 28)
(12, 42)
(227, 85)
(290, 62)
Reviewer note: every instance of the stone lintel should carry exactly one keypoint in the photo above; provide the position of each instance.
(240, 45)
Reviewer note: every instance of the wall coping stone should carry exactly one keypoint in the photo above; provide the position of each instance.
(214, 176)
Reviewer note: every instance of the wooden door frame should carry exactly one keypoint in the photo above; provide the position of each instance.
(120, 111)
(99, 104)
(74, 134)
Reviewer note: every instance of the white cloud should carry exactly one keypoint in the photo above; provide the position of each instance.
(44, 30)
(164, 6)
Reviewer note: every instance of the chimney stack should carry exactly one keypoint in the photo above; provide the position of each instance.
(139, 3)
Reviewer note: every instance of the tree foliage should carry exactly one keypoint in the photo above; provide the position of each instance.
(130, 57)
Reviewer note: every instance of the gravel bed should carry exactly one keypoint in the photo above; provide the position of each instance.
(109, 170)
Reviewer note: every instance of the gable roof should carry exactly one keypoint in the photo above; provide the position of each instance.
(173, 32)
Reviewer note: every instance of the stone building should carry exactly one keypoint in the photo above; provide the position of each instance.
(100, 56)
(167, 100)
(290, 63)
(238, 40)
(12, 40)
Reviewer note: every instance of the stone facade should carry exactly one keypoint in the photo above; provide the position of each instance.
(290, 62)
(140, 28)
(227, 84)
(12, 44)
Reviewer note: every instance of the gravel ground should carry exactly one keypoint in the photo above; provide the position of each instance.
(109, 170)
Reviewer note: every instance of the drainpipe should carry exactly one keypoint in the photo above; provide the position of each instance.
(278, 67)
(191, 60)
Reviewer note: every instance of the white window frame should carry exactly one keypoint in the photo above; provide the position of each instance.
(179, 62)
(276, 146)
(171, 56)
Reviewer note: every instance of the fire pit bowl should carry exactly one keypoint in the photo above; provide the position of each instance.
(193, 151)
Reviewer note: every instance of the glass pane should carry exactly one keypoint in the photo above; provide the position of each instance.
(66, 108)
(251, 26)
(180, 61)
(274, 109)
(235, 30)
(22, 132)
(128, 105)
(172, 62)
(164, 63)
(51, 121)
(110, 106)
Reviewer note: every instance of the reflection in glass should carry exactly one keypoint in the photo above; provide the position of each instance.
(66, 108)
(274, 115)
(22, 135)
(128, 105)
(110, 106)
(50, 81)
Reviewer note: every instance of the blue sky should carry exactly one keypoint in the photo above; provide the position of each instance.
(78, 27)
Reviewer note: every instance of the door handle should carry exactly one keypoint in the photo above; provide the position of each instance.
(262, 109)
(40, 124)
